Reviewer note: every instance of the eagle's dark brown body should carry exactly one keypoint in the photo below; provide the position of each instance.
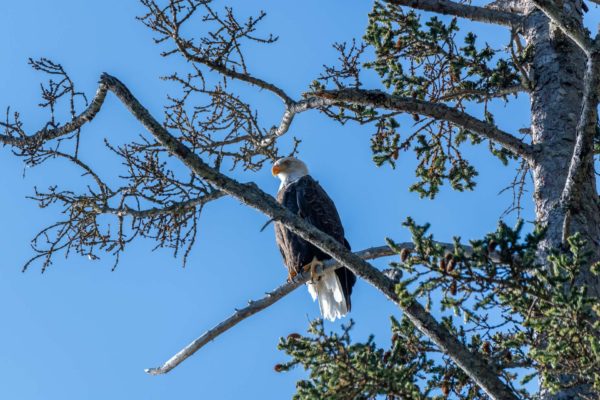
(306, 198)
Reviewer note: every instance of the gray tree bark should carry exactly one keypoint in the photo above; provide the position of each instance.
(557, 70)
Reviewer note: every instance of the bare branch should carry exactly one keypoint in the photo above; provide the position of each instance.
(259, 305)
(154, 211)
(379, 99)
(475, 367)
(216, 50)
(255, 306)
(569, 26)
(242, 76)
(462, 10)
(289, 114)
(48, 134)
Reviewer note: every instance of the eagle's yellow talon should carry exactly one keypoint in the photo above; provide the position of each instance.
(291, 275)
(312, 267)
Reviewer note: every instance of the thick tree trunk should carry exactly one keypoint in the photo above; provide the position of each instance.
(557, 71)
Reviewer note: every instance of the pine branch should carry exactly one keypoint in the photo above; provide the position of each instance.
(569, 26)
(475, 367)
(483, 94)
(379, 99)
(462, 10)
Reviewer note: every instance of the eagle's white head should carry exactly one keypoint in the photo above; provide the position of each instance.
(288, 170)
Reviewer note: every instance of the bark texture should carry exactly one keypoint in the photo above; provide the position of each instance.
(558, 68)
(558, 113)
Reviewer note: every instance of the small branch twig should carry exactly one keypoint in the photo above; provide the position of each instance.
(242, 76)
(462, 10)
(379, 99)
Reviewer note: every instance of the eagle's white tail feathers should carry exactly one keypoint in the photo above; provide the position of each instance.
(328, 290)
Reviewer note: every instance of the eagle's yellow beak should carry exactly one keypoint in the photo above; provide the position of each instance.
(275, 170)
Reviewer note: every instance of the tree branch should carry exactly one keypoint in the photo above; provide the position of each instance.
(569, 26)
(476, 368)
(242, 76)
(215, 49)
(292, 109)
(379, 99)
(44, 134)
(259, 305)
(462, 10)
(154, 211)
(483, 94)
(255, 306)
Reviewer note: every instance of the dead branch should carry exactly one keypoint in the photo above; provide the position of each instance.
(14, 135)
(255, 306)
(154, 211)
(289, 114)
(220, 50)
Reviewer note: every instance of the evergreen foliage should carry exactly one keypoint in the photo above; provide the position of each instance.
(526, 321)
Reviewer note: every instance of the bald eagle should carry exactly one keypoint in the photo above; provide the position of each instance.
(303, 196)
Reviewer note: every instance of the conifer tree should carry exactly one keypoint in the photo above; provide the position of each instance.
(542, 287)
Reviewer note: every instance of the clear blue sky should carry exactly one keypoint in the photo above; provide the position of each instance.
(80, 331)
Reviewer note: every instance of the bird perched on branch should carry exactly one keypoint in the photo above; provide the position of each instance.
(303, 196)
